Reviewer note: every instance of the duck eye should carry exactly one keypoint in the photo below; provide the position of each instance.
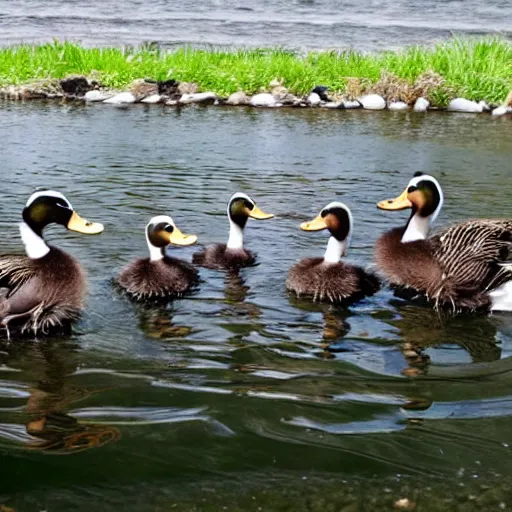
(410, 190)
(249, 205)
(323, 213)
(169, 228)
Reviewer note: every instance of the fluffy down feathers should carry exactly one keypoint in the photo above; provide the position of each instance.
(219, 257)
(330, 282)
(167, 278)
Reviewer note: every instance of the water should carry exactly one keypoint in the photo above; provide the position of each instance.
(240, 390)
(297, 24)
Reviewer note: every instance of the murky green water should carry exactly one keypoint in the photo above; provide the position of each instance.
(239, 395)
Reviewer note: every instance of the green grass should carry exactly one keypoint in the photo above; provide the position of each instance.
(474, 69)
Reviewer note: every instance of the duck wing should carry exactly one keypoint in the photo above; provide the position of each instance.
(15, 271)
(476, 254)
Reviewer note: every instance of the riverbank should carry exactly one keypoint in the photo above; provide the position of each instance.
(477, 70)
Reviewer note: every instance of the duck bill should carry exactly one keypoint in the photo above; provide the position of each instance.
(317, 224)
(179, 238)
(256, 213)
(399, 203)
(76, 223)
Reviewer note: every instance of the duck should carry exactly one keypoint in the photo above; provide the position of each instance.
(159, 276)
(465, 267)
(43, 291)
(233, 255)
(328, 279)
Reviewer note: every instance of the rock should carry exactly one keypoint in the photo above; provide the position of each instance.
(334, 104)
(154, 98)
(351, 104)
(187, 88)
(398, 105)
(167, 87)
(141, 88)
(499, 111)
(200, 97)
(283, 96)
(263, 100)
(275, 83)
(171, 103)
(313, 99)
(238, 98)
(373, 102)
(463, 105)
(321, 90)
(485, 106)
(96, 95)
(421, 105)
(75, 85)
(122, 98)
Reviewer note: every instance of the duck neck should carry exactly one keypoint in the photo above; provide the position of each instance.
(417, 228)
(35, 246)
(155, 253)
(335, 250)
(236, 236)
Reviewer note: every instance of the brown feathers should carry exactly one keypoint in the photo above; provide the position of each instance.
(330, 282)
(167, 278)
(456, 268)
(219, 257)
(41, 294)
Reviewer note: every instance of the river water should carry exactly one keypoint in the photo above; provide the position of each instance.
(298, 24)
(240, 388)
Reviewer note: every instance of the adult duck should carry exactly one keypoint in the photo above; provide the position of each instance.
(233, 255)
(328, 279)
(159, 276)
(45, 288)
(465, 267)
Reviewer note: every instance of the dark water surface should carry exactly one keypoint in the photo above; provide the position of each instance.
(239, 386)
(298, 24)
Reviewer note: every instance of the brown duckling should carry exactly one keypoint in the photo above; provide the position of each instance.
(233, 255)
(328, 279)
(464, 267)
(43, 291)
(159, 276)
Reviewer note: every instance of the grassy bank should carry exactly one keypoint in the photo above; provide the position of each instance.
(474, 69)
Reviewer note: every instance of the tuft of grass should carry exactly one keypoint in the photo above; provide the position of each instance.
(473, 68)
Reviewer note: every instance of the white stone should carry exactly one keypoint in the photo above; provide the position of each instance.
(172, 103)
(313, 99)
(152, 98)
(334, 104)
(499, 111)
(122, 97)
(96, 96)
(485, 106)
(398, 105)
(263, 100)
(373, 102)
(198, 97)
(509, 110)
(463, 105)
(421, 105)
(351, 104)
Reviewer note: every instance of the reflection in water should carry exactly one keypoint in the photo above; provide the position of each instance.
(236, 292)
(49, 429)
(157, 322)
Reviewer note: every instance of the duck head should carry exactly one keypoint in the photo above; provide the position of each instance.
(425, 197)
(337, 218)
(161, 232)
(50, 207)
(240, 208)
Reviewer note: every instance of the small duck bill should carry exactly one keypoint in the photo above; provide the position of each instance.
(80, 225)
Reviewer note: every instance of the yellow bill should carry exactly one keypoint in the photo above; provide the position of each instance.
(76, 223)
(178, 238)
(399, 203)
(317, 224)
(256, 213)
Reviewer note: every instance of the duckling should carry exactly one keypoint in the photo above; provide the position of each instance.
(465, 267)
(233, 255)
(159, 276)
(327, 279)
(44, 289)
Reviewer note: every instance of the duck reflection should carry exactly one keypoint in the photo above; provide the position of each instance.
(236, 292)
(49, 428)
(421, 327)
(156, 320)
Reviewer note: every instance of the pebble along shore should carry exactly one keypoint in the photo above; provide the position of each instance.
(174, 93)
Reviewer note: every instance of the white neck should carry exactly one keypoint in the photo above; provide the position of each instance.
(35, 246)
(417, 229)
(155, 253)
(335, 250)
(236, 236)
